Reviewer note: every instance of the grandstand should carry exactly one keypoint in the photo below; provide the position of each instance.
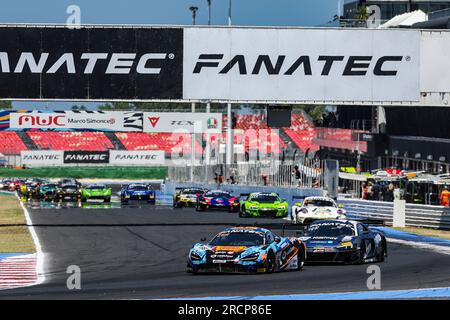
(250, 131)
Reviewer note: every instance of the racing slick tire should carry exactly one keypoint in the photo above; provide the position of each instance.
(301, 258)
(270, 262)
(106, 200)
(242, 213)
(200, 208)
(382, 255)
(83, 199)
(359, 257)
(177, 205)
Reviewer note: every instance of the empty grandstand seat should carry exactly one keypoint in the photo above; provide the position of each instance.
(10, 143)
(170, 143)
(89, 141)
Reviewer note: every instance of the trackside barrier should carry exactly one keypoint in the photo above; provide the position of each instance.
(417, 215)
(285, 193)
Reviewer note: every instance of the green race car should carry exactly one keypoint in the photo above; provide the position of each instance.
(260, 204)
(97, 192)
(47, 191)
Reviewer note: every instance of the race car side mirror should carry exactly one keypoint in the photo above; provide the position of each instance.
(277, 239)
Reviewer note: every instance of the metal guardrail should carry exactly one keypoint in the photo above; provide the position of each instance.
(254, 174)
(427, 216)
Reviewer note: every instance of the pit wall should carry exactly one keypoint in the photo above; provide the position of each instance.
(235, 189)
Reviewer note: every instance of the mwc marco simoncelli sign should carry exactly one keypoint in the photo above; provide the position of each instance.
(216, 64)
(118, 121)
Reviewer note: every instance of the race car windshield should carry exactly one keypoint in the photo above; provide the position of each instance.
(191, 191)
(69, 186)
(138, 188)
(265, 199)
(217, 194)
(329, 230)
(238, 239)
(318, 203)
(95, 187)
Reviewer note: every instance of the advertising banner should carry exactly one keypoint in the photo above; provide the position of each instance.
(182, 122)
(86, 157)
(41, 158)
(104, 63)
(244, 64)
(87, 120)
(151, 157)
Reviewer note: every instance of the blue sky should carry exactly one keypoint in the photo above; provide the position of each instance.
(244, 12)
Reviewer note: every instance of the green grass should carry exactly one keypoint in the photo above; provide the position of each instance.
(13, 239)
(444, 234)
(136, 173)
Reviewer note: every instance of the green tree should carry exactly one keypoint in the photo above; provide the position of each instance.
(362, 13)
(5, 105)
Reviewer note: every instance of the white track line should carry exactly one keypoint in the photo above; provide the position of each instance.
(422, 245)
(40, 263)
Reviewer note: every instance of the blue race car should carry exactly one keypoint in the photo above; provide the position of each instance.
(215, 199)
(344, 241)
(138, 191)
(247, 250)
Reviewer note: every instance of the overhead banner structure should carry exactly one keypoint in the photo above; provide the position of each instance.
(41, 158)
(182, 122)
(301, 65)
(87, 120)
(91, 63)
(233, 64)
(137, 157)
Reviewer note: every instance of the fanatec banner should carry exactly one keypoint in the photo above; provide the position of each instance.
(86, 157)
(266, 65)
(137, 157)
(182, 122)
(301, 64)
(87, 120)
(41, 158)
(98, 63)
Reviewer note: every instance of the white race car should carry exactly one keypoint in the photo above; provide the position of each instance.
(317, 208)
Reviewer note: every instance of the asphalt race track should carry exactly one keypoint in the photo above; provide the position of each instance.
(140, 252)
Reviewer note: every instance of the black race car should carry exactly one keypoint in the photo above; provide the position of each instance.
(69, 181)
(68, 192)
(344, 241)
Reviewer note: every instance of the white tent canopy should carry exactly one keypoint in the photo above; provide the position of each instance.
(406, 19)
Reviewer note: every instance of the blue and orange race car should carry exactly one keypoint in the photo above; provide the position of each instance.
(215, 199)
(247, 250)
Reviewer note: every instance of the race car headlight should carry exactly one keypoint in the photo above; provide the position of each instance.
(345, 244)
(195, 256)
(281, 207)
(253, 207)
(251, 257)
(127, 196)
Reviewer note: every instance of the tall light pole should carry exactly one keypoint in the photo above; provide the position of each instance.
(229, 12)
(194, 13)
(209, 12)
